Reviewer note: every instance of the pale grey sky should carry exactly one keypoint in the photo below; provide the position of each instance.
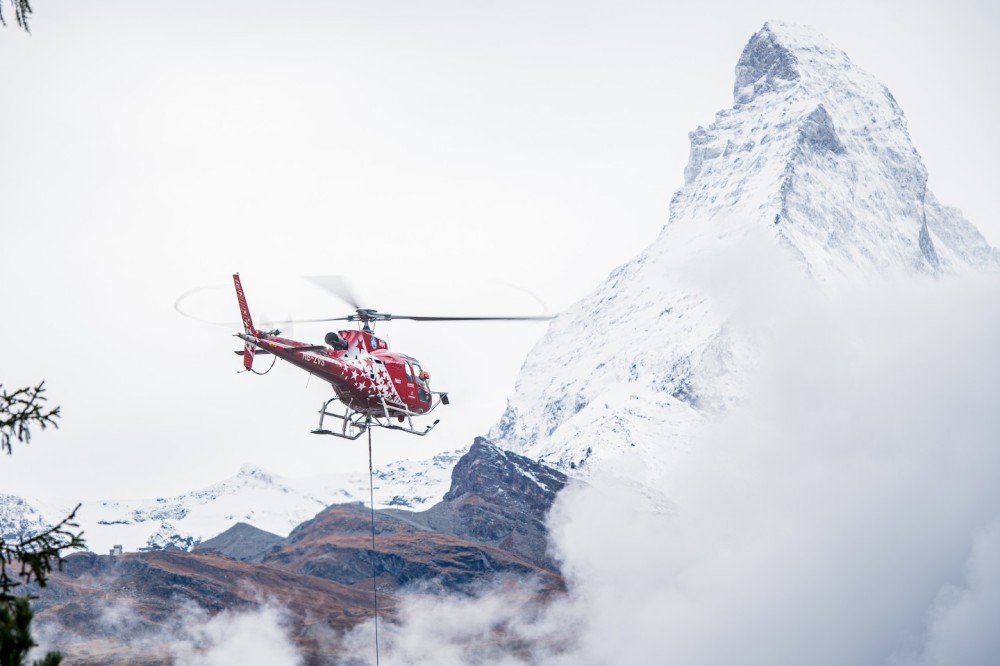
(428, 150)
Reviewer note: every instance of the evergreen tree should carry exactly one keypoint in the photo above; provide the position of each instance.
(22, 409)
(30, 559)
(22, 10)
(15, 636)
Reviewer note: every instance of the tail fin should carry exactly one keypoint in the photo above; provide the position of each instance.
(247, 323)
(244, 310)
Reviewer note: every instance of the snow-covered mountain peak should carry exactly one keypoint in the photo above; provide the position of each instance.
(248, 471)
(766, 65)
(817, 150)
(782, 56)
(812, 166)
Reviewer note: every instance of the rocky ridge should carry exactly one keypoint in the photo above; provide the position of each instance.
(499, 498)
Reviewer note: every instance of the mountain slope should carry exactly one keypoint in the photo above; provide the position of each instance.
(137, 607)
(814, 161)
(336, 545)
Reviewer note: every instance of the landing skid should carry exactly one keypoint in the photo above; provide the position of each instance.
(353, 424)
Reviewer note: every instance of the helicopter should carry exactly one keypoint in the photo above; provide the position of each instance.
(375, 387)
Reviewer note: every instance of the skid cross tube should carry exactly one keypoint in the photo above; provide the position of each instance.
(356, 427)
(409, 420)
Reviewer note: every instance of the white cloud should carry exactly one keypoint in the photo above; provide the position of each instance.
(254, 637)
(189, 637)
(962, 623)
(505, 626)
(817, 522)
(846, 513)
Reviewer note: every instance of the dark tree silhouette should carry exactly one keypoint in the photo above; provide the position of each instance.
(15, 636)
(20, 410)
(30, 559)
(22, 10)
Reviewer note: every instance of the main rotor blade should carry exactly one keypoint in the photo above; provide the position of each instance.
(338, 286)
(191, 292)
(418, 318)
(304, 321)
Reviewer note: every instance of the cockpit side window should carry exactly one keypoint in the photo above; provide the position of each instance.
(418, 373)
(409, 372)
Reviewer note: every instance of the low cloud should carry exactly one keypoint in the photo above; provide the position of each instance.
(962, 622)
(189, 637)
(833, 517)
(250, 637)
(503, 627)
(848, 511)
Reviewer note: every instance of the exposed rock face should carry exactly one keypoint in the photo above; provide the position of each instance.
(499, 498)
(765, 66)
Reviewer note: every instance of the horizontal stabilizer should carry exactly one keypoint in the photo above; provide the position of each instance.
(256, 352)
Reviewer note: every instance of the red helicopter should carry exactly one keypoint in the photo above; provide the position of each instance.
(375, 386)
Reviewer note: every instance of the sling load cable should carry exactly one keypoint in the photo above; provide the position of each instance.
(371, 491)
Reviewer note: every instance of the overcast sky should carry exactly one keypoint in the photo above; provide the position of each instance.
(434, 152)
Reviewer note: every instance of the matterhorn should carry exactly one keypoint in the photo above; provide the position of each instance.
(812, 160)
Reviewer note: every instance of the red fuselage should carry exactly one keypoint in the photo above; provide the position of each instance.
(366, 376)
